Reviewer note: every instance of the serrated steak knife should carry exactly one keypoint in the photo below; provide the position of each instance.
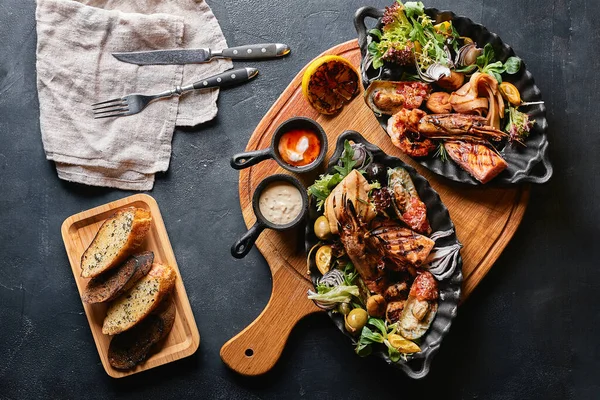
(190, 56)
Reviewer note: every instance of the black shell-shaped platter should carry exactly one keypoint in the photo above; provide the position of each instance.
(528, 163)
(417, 365)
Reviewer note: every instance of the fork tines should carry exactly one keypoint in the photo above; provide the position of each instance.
(110, 108)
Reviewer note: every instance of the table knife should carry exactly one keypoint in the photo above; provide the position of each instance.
(190, 56)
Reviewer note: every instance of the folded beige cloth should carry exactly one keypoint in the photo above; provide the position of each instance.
(75, 69)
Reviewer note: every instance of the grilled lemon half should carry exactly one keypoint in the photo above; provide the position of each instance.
(328, 83)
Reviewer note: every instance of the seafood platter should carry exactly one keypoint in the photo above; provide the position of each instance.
(383, 256)
(453, 96)
(390, 241)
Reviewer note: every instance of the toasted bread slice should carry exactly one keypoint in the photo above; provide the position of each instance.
(483, 163)
(112, 283)
(139, 301)
(132, 347)
(116, 239)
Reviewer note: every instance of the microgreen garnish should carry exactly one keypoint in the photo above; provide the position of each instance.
(518, 125)
(487, 65)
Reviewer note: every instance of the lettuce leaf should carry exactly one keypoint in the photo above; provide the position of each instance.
(336, 294)
(323, 186)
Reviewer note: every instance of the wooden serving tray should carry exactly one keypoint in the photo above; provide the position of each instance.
(485, 218)
(79, 230)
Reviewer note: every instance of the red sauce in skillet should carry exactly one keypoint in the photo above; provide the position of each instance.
(299, 147)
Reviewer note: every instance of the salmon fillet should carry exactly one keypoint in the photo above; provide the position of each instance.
(483, 163)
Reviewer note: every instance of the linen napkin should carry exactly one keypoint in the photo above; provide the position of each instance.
(75, 69)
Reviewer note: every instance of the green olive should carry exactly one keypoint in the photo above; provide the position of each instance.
(356, 320)
(344, 308)
(321, 227)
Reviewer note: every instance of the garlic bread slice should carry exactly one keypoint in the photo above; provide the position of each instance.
(118, 236)
(139, 301)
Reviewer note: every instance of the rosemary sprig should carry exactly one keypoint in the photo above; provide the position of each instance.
(441, 152)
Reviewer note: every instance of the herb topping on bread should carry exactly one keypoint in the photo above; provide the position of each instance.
(139, 301)
(118, 237)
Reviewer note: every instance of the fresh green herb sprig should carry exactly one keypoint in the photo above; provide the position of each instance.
(327, 182)
(487, 65)
(441, 152)
(369, 337)
(350, 274)
(346, 160)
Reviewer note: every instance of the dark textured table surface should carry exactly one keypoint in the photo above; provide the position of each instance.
(529, 331)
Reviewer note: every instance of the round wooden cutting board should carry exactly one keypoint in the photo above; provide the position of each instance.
(485, 218)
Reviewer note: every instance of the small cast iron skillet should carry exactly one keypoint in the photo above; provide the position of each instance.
(249, 158)
(245, 243)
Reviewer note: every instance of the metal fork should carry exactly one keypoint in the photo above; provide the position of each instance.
(134, 103)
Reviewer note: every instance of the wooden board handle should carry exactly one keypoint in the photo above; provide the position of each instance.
(256, 349)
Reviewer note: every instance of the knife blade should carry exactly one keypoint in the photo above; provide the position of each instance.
(201, 55)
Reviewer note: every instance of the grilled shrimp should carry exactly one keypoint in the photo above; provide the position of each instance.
(366, 259)
(402, 128)
(413, 131)
(458, 126)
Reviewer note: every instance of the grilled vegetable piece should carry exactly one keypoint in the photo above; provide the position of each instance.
(420, 308)
(132, 347)
(118, 237)
(389, 97)
(406, 201)
(143, 298)
(483, 163)
(113, 283)
(355, 189)
(401, 246)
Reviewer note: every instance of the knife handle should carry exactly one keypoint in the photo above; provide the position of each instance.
(227, 78)
(254, 51)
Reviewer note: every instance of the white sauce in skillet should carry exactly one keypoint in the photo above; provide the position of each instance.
(280, 203)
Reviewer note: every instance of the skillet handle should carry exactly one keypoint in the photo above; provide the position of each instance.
(245, 243)
(360, 26)
(249, 158)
